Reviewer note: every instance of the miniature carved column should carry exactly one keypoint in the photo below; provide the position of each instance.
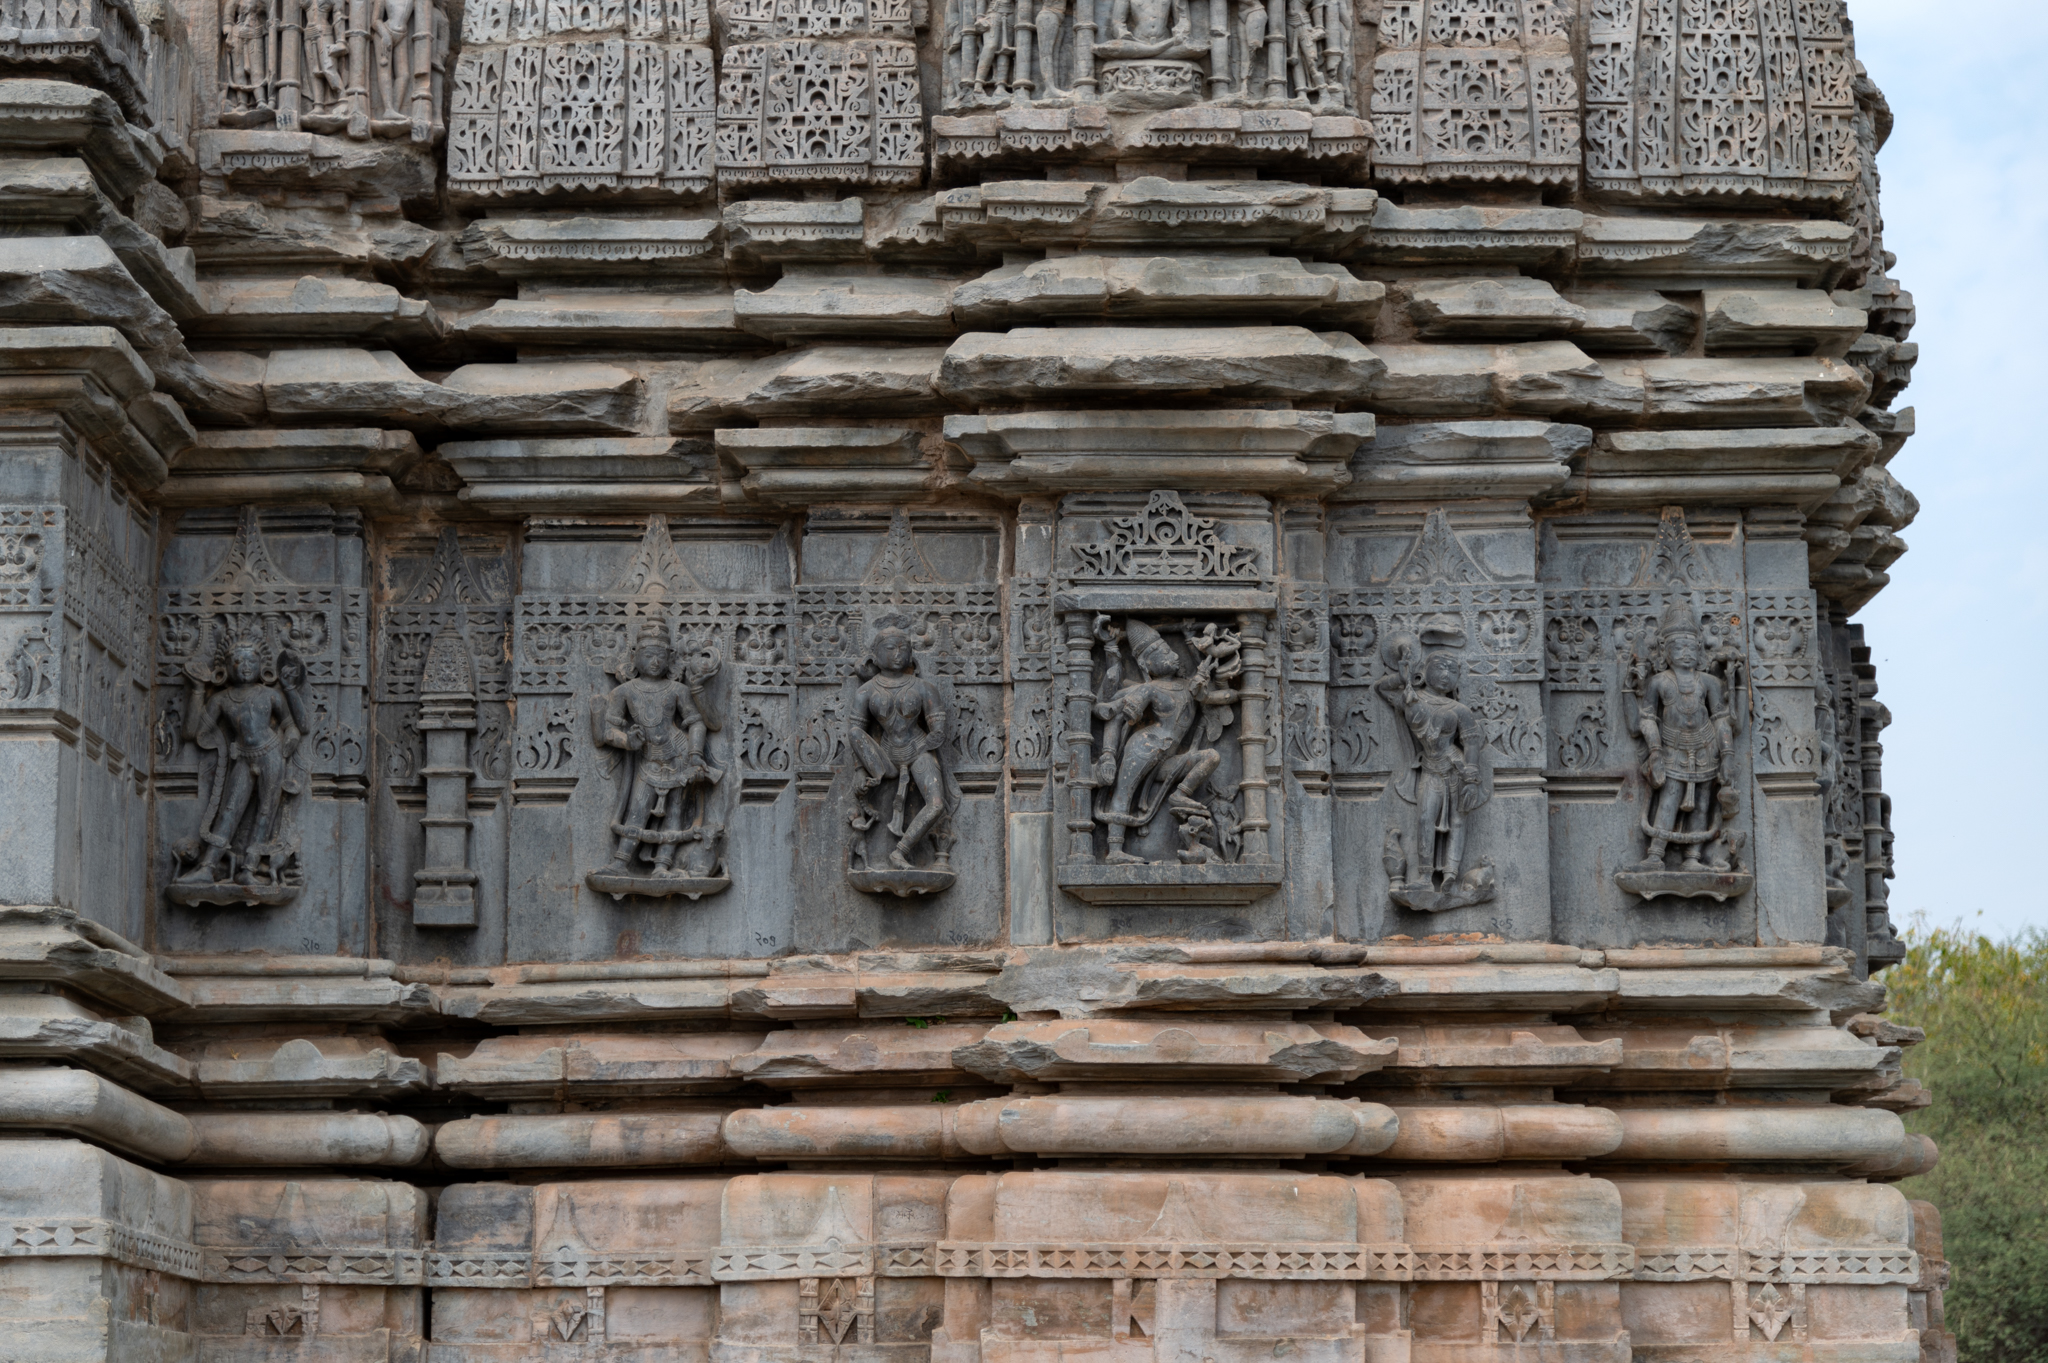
(1080, 736)
(445, 893)
(1252, 738)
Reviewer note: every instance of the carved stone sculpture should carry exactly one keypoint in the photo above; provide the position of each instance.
(659, 718)
(898, 741)
(1446, 776)
(247, 712)
(361, 68)
(1687, 708)
(1159, 732)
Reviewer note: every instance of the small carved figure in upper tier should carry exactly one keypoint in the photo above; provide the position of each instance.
(1446, 777)
(1688, 712)
(245, 64)
(1142, 29)
(900, 730)
(662, 723)
(252, 725)
(1152, 755)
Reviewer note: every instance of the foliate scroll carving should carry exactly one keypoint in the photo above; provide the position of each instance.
(1476, 90)
(583, 95)
(359, 68)
(819, 91)
(1164, 542)
(1721, 97)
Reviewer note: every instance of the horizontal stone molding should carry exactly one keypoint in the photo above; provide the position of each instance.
(97, 1238)
(1864, 1267)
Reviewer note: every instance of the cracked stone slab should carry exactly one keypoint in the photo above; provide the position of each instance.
(1047, 363)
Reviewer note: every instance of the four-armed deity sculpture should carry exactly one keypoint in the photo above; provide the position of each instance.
(1445, 778)
(1158, 739)
(247, 713)
(899, 736)
(1687, 709)
(660, 722)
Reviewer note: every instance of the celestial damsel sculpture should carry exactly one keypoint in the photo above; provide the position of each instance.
(900, 730)
(1445, 777)
(248, 713)
(661, 722)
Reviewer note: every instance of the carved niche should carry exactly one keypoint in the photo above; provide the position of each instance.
(360, 68)
(1476, 90)
(442, 687)
(265, 664)
(917, 668)
(1167, 614)
(1721, 97)
(1136, 55)
(819, 91)
(555, 95)
(1435, 671)
(671, 694)
(1684, 701)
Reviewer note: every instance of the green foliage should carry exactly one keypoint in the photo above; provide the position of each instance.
(1985, 1007)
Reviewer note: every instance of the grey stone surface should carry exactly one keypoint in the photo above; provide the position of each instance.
(769, 683)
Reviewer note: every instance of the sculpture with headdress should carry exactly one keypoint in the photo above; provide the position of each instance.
(1687, 708)
(1445, 777)
(1159, 733)
(898, 739)
(247, 714)
(660, 717)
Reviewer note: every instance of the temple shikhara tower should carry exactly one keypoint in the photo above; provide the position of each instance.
(948, 681)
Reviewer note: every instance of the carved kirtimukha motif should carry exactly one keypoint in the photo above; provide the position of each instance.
(1687, 708)
(659, 717)
(361, 68)
(904, 794)
(1446, 777)
(1476, 90)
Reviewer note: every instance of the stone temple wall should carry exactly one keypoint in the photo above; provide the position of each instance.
(948, 681)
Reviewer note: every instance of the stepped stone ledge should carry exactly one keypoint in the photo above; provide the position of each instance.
(866, 682)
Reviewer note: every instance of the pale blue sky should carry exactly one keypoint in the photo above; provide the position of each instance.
(1958, 636)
